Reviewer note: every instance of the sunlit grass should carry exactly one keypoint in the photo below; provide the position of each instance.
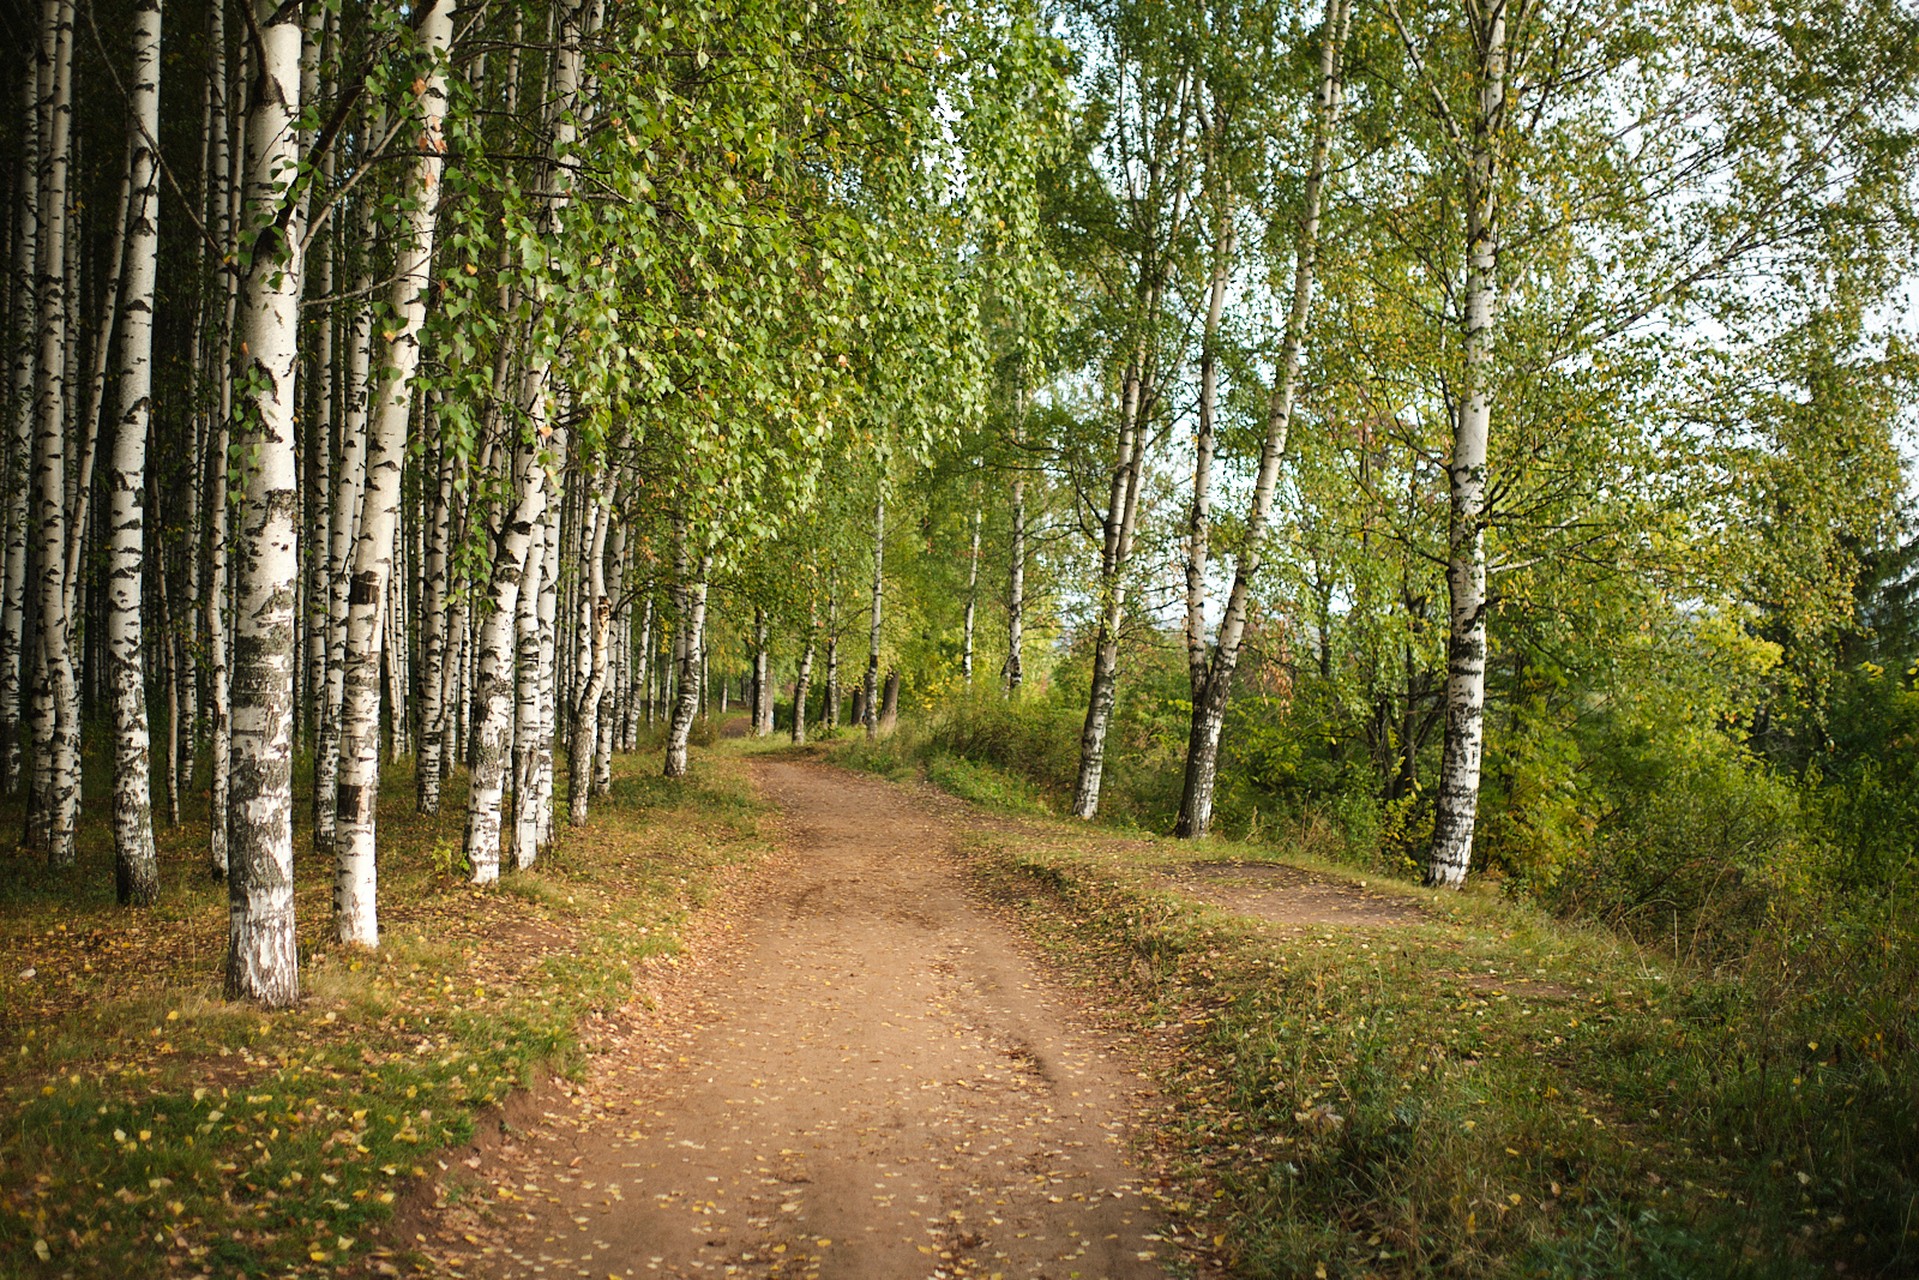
(1494, 1092)
(148, 1126)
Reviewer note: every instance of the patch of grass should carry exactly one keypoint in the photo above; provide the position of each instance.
(895, 757)
(984, 784)
(149, 1127)
(1492, 1093)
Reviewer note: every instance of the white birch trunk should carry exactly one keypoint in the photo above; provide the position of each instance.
(972, 602)
(597, 611)
(493, 653)
(434, 631)
(529, 717)
(1458, 802)
(493, 659)
(228, 191)
(1121, 510)
(689, 643)
(870, 701)
(13, 659)
(1200, 514)
(57, 804)
(355, 902)
(642, 696)
(1014, 670)
(548, 611)
(762, 709)
(349, 485)
(136, 865)
(803, 678)
(262, 960)
(833, 654)
(1213, 679)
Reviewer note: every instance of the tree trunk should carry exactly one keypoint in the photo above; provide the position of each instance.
(1212, 681)
(597, 608)
(803, 679)
(349, 484)
(762, 677)
(642, 676)
(529, 718)
(972, 601)
(493, 659)
(492, 694)
(832, 709)
(692, 625)
(1200, 514)
(889, 716)
(262, 960)
(319, 483)
(604, 654)
(390, 407)
(136, 864)
(1122, 507)
(871, 690)
(13, 658)
(434, 631)
(548, 607)
(56, 805)
(1014, 670)
(219, 593)
(1458, 808)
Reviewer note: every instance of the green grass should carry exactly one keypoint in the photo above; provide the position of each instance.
(148, 1127)
(1495, 1092)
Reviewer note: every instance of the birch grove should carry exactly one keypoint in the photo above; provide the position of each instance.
(1289, 404)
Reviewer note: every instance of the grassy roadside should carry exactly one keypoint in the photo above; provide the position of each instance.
(1489, 1093)
(149, 1128)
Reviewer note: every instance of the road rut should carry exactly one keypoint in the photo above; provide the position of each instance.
(877, 1080)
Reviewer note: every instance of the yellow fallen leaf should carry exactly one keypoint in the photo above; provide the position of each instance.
(41, 1251)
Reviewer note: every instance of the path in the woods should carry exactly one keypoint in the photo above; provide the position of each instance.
(874, 1079)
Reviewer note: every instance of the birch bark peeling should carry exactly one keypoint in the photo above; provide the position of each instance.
(262, 958)
(355, 886)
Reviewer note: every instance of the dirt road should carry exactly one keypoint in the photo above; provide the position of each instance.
(875, 1080)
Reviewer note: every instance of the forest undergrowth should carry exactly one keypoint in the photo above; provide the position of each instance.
(1494, 1092)
(148, 1127)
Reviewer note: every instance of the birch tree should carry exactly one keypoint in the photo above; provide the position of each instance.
(391, 394)
(262, 959)
(1212, 675)
(493, 669)
(56, 799)
(136, 864)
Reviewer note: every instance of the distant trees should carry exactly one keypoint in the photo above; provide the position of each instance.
(490, 384)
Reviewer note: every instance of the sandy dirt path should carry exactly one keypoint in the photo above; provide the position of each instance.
(875, 1079)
